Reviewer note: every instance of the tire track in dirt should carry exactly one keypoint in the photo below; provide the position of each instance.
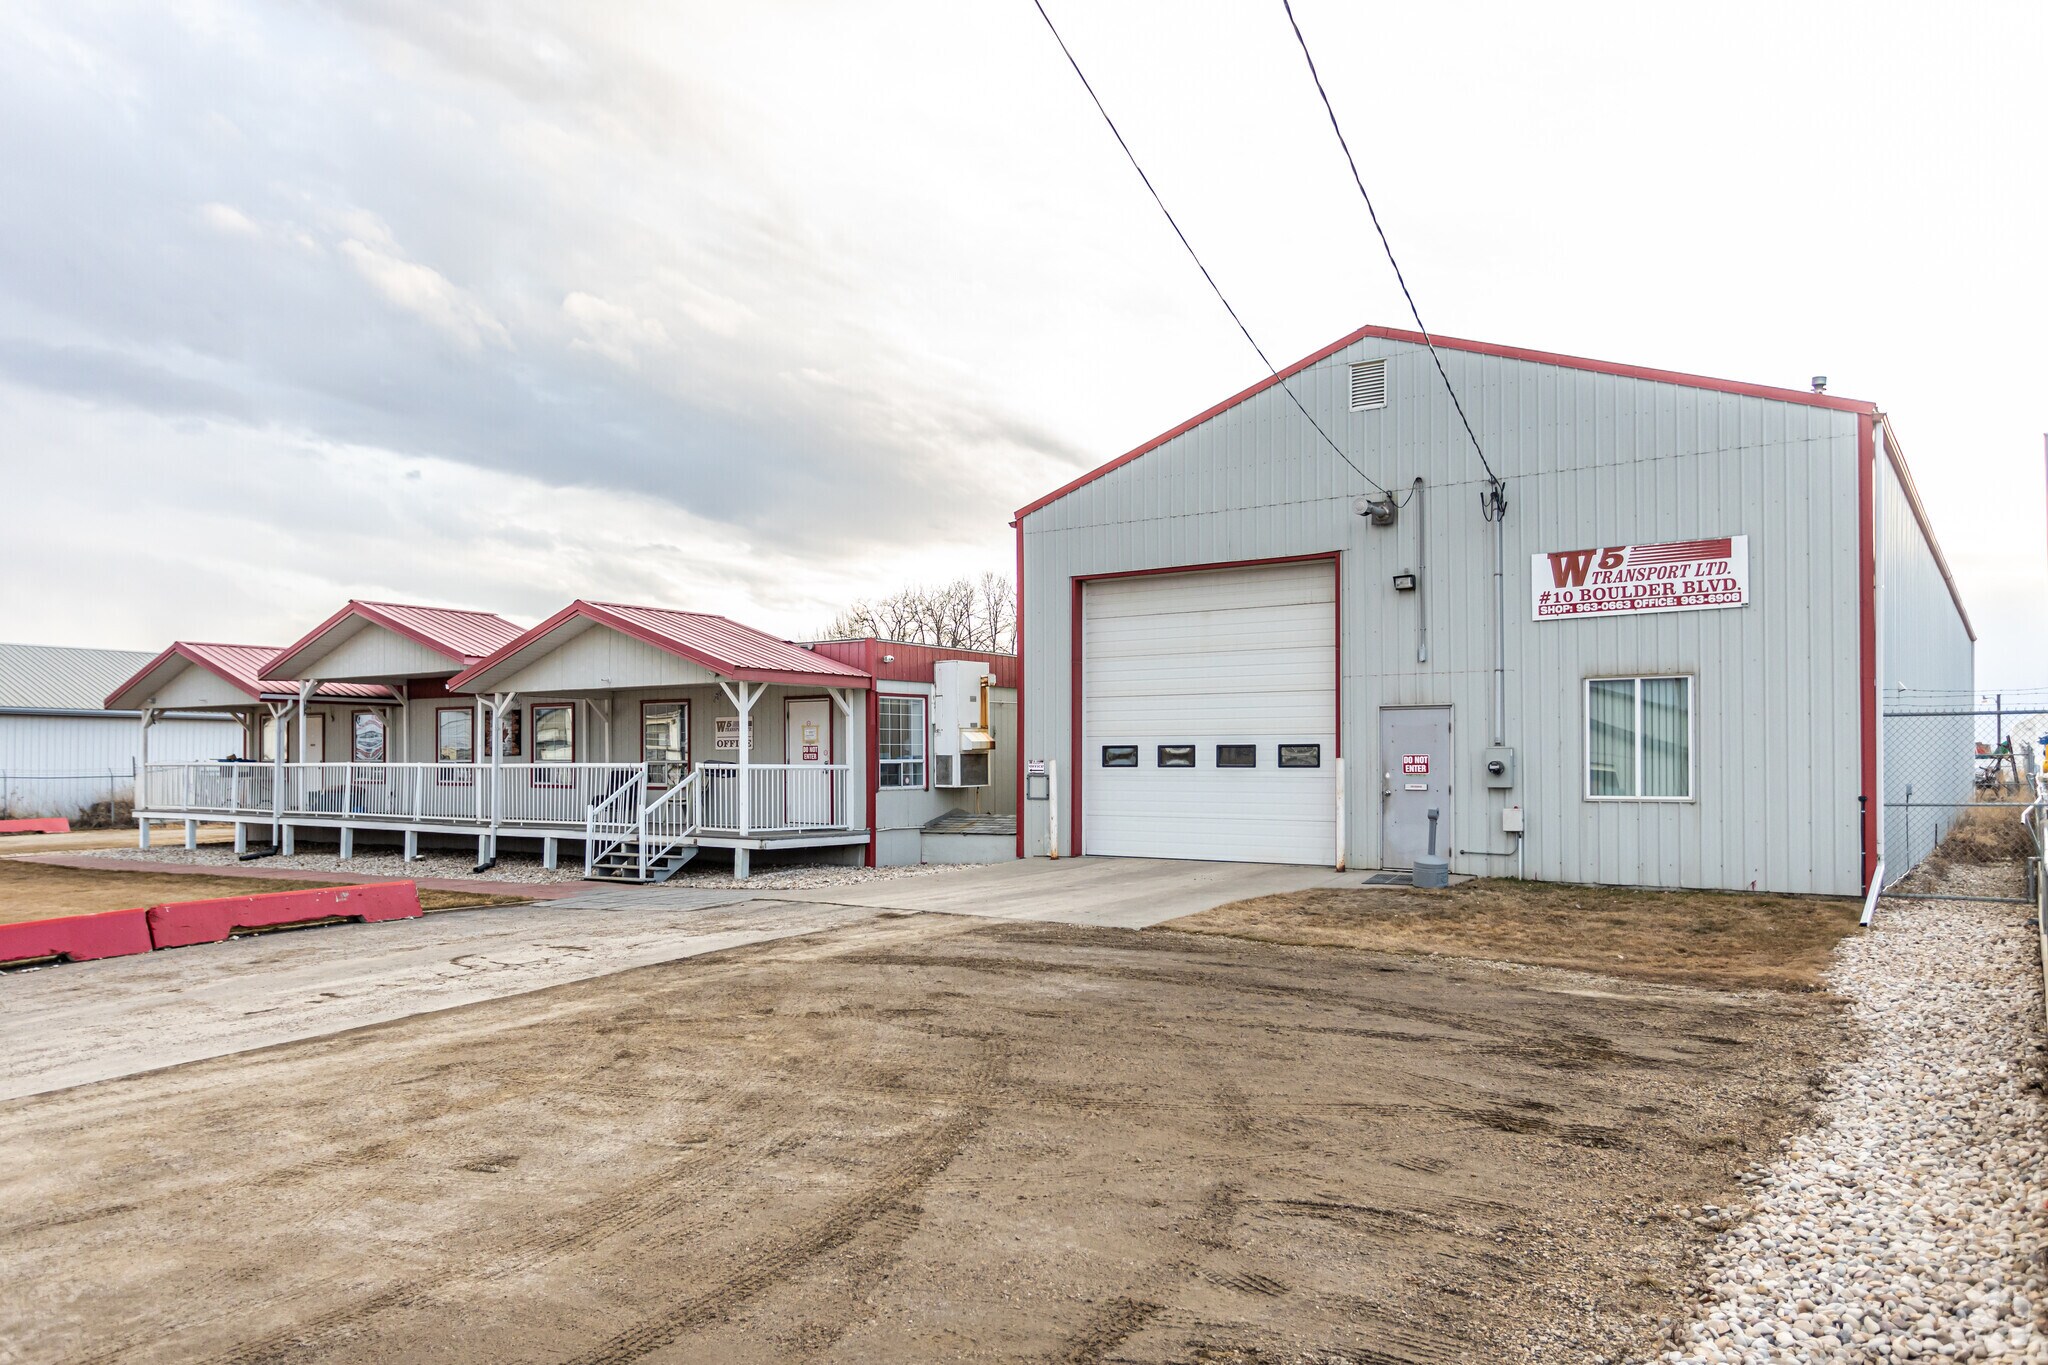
(667, 1203)
(776, 1264)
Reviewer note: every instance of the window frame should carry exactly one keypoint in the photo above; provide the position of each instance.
(1193, 753)
(1237, 767)
(533, 758)
(682, 704)
(1120, 749)
(923, 731)
(442, 778)
(1315, 744)
(1636, 737)
(383, 734)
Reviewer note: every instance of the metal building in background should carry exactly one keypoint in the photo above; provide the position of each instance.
(1236, 647)
(60, 753)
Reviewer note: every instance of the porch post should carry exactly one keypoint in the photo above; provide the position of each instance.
(499, 701)
(142, 779)
(856, 764)
(305, 695)
(748, 696)
(278, 735)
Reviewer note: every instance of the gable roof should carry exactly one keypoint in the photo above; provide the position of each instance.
(462, 637)
(238, 665)
(718, 643)
(1569, 362)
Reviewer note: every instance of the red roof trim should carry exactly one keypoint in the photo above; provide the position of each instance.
(196, 653)
(1569, 362)
(376, 615)
(601, 614)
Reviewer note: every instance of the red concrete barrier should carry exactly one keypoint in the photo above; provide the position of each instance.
(187, 922)
(77, 938)
(59, 825)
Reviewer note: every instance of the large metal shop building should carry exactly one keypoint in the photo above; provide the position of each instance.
(1238, 647)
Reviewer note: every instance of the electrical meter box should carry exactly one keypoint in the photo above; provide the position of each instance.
(962, 741)
(1497, 766)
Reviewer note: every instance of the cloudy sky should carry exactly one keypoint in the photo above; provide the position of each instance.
(756, 308)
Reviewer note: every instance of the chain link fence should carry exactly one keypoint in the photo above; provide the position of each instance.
(91, 799)
(1957, 779)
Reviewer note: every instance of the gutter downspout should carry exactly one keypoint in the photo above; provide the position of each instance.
(1421, 578)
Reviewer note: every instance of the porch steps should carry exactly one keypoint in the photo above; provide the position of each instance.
(622, 864)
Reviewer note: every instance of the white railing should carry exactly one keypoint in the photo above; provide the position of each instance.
(610, 822)
(558, 794)
(781, 798)
(207, 788)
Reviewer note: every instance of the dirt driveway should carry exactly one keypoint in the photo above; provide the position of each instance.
(916, 1138)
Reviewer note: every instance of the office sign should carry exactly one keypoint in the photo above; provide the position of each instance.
(1683, 575)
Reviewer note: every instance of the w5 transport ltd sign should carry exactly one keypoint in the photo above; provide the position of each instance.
(1685, 575)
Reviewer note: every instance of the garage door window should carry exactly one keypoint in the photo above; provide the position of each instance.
(1237, 755)
(1176, 755)
(899, 746)
(1639, 739)
(1301, 755)
(1119, 755)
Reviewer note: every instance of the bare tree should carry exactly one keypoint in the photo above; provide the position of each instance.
(966, 613)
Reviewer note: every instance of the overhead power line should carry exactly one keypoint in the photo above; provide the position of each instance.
(1132, 157)
(1359, 181)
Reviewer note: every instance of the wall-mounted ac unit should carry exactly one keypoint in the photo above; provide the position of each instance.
(961, 738)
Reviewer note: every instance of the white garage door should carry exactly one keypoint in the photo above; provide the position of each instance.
(1196, 688)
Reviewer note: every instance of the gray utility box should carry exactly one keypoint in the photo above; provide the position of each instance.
(1497, 765)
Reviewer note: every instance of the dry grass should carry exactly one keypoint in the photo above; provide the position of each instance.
(1984, 836)
(90, 840)
(38, 891)
(1728, 940)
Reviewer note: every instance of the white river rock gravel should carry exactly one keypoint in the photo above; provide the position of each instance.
(1909, 1223)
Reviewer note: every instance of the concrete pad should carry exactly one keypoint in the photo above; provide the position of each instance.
(1121, 893)
(94, 1021)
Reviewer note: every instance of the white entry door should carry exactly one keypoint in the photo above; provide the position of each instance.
(807, 748)
(1209, 715)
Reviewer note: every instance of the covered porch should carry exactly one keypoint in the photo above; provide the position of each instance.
(668, 731)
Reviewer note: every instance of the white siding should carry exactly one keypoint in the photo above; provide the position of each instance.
(1591, 459)
(1927, 663)
(374, 654)
(58, 765)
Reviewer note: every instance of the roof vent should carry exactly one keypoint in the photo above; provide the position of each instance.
(1368, 385)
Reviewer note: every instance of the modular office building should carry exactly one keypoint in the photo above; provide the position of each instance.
(1237, 646)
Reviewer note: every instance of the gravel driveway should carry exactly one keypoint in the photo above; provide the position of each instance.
(1909, 1224)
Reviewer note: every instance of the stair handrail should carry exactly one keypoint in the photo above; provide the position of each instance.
(602, 812)
(658, 815)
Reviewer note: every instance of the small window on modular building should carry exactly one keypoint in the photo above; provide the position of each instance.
(899, 743)
(1368, 385)
(1639, 739)
(1237, 755)
(453, 730)
(1119, 755)
(1176, 755)
(554, 734)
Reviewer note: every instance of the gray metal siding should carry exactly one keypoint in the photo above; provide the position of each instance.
(57, 765)
(1927, 662)
(1591, 459)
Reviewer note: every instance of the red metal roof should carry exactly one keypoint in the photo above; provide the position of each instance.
(717, 642)
(1569, 362)
(913, 663)
(240, 666)
(463, 637)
